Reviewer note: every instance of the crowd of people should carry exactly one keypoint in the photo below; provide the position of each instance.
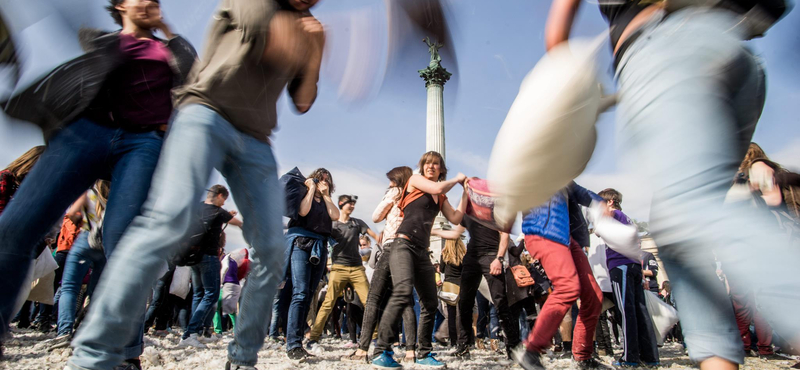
(112, 202)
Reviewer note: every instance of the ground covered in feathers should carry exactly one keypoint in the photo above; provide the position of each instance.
(162, 353)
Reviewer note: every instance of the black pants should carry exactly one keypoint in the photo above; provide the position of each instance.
(161, 305)
(410, 268)
(380, 290)
(355, 315)
(473, 268)
(639, 336)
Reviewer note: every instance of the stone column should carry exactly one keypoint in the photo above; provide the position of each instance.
(435, 77)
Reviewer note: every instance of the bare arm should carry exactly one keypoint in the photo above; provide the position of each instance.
(305, 204)
(559, 22)
(373, 235)
(496, 268)
(333, 211)
(647, 273)
(434, 188)
(456, 215)
(235, 222)
(75, 211)
(449, 234)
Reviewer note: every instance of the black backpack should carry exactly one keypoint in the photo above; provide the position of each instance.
(191, 249)
(294, 190)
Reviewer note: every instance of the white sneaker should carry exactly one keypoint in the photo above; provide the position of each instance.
(212, 339)
(191, 341)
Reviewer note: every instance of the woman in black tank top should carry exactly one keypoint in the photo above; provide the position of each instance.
(410, 265)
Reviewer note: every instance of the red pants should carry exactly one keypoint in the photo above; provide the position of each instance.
(571, 277)
(744, 306)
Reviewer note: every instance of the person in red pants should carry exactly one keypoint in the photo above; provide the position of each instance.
(547, 238)
(744, 307)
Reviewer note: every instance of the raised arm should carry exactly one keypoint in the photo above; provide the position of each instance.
(75, 211)
(385, 205)
(582, 195)
(449, 234)
(305, 204)
(559, 22)
(303, 89)
(434, 188)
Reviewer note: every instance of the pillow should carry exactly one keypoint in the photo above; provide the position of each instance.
(548, 135)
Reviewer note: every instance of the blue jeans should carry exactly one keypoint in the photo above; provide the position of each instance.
(80, 259)
(305, 279)
(280, 310)
(690, 97)
(199, 140)
(75, 158)
(205, 282)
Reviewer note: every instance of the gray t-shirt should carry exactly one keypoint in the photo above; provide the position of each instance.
(231, 78)
(346, 234)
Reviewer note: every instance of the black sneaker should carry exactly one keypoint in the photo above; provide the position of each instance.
(298, 354)
(591, 364)
(462, 352)
(229, 366)
(567, 353)
(528, 360)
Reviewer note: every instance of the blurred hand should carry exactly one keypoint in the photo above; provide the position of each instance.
(314, 30)
(233, 213)
(461, 177)
(496, 268)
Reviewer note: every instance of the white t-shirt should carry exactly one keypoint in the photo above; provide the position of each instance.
(597, 259)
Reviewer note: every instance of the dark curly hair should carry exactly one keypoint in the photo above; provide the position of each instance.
(112, 9)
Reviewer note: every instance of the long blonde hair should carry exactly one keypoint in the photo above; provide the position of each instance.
(22, 165)
(102, 187)
(453, 252)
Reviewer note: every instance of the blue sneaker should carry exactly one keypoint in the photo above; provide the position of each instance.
(652, 364)
(430, 361)
(385, 360)
(620, 363)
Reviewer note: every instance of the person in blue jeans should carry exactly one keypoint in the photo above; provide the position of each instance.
(307, 254)
(205, 274)
(117, 137)
(225, 115)
(690, 96)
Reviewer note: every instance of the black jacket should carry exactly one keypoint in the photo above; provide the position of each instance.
(64, 93)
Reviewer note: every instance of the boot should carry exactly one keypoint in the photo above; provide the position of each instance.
(494, 345)
(480, 344)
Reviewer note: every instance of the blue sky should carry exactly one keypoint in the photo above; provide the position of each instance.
(496, 44)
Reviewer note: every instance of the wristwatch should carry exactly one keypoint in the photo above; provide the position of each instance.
(501, 259)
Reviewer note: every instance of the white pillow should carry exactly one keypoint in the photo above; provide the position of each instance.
(548, 136)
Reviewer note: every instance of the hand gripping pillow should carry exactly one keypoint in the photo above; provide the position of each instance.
(548, 136)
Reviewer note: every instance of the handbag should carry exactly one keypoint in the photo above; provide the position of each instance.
(449, 293)
(522, 276)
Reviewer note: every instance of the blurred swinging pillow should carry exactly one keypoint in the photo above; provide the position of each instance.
(548, 135)
(481, 203)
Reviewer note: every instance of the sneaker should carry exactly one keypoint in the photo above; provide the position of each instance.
(652, 363)
(385, 360)
(131, 364)
(430, 361)
(771, 357)
(211, 339)
(620, 363)
(312, 345)
(60, 341)
(229, 366)
(591, 364)
(298, 354)
(462, 352)
(567, 353)
(528, 360)
(191, 341)
(160, 333)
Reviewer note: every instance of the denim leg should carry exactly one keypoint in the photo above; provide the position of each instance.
(197, 288)
(301, 297)
(206, 293)
(72, 161)
(197, 143)
(252, 174)
(280, 310)
(690, 97)
(77, 265)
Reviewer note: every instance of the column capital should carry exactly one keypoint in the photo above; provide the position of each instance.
(435, 75)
